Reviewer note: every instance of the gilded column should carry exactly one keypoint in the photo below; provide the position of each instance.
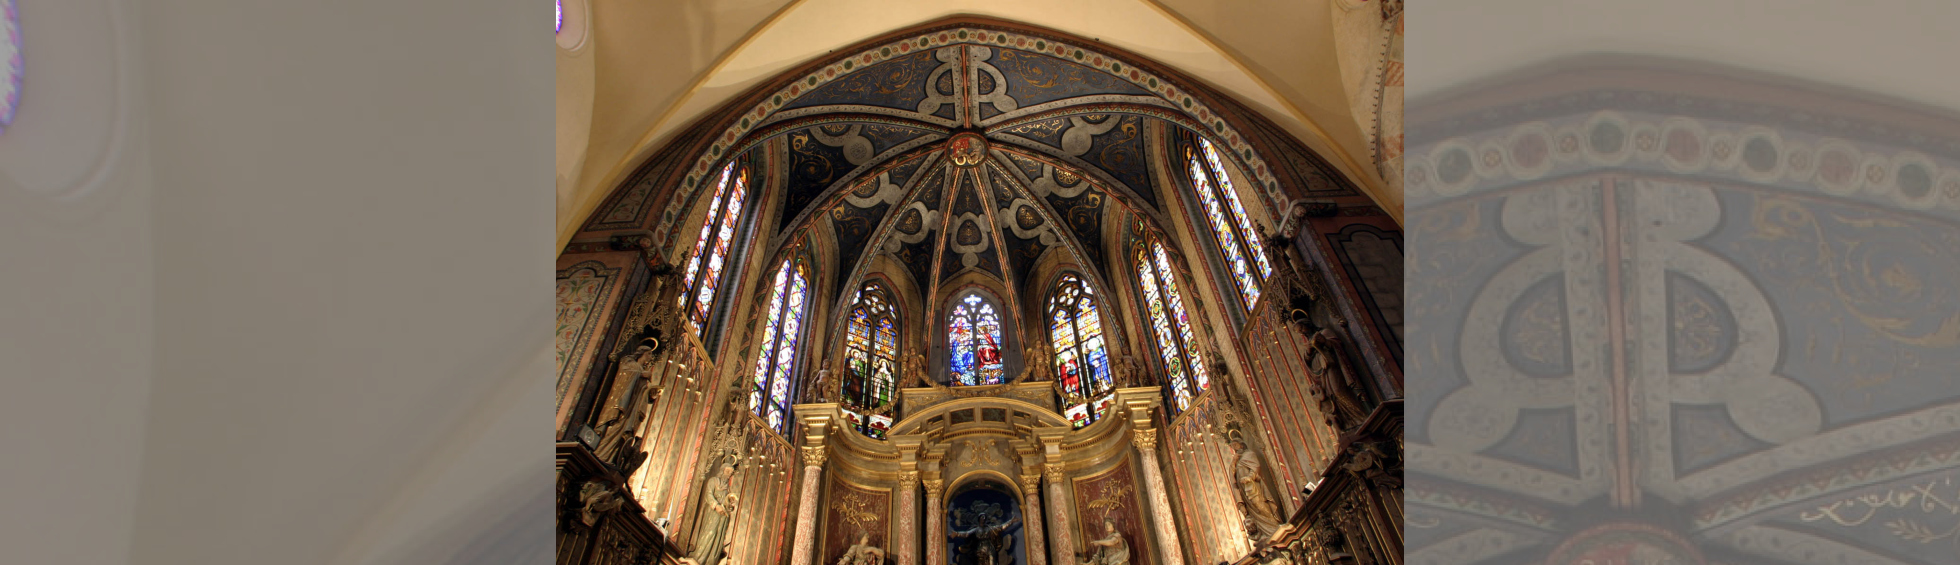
(907, 543)
(1064, 534)
(806, 510)
(1160, 503)
(935, 523)
(1031, 519)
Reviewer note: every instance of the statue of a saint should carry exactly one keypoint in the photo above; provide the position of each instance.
(717, 512)
(819, 388)
(863, 553)
(1111, 549)
(1036, 361)
(631, 396)
(1262, 514)
(915, 371)
(992, 542)
(1334, 381)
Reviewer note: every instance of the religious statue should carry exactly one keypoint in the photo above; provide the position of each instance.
(915, 371)
(1111, 549)
(1295, 283)
(1130, 372)
(595, 500)
(1262, 515)
(631, 396)
(1333, 380)
(818, 388)
(717, 513)
(992, 542)
(1036, 361)
(863, 553)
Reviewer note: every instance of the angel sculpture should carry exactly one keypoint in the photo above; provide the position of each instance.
(863, 553)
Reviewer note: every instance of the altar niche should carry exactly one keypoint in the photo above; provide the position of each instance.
(984, 526)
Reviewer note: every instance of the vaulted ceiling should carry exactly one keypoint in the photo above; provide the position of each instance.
(632, 76)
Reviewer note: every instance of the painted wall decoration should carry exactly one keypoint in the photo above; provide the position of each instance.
(850, 511)
(586, 290)
(1112, 496)
(1674, 303)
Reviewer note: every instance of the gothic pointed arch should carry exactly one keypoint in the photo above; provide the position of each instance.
(871, 357)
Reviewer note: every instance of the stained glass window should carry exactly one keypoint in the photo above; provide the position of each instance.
(1081, 360)
(974, 343)
(776, 348)
(561, 17)
(1171, 325)
(870, 359)
(710, 255)
(1237, 239)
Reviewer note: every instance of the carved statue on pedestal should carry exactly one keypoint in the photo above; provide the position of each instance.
(718, 506)
(818, 389)
(1111, 549)
(1333, 380)
(632, 394)
(1262, 515)
(863, 553)
(1130, 372)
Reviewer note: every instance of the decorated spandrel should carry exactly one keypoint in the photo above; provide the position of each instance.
(1239, 216)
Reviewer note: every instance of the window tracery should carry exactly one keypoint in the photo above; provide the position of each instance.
(973, 343)
(1237, 240)
(776, 351)
(1081, 357)
(705, 264)
(1184, 364)
(870, 360)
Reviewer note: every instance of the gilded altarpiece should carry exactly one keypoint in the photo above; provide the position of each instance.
(851, 510)
(1113, 495)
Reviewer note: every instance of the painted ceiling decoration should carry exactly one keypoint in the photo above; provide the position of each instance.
(1066, 99)
(966, 147)
(1684, 326)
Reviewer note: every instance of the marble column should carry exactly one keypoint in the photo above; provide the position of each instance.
(906, 545)
(935, 523)
(806, 510)
(1063, 540)
(1031, 520)
(1160, 503)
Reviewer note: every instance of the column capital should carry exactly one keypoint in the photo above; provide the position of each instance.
(1054, 472)
(813, 455)
(1144, 439)
(908, 478)
(934, 487)
(1029, 482)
